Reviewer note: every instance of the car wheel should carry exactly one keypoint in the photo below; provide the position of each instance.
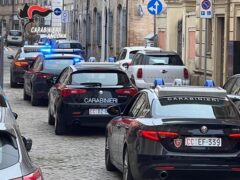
(127, 174)
(12, 84)
(51, 120)
(34, 100)
(60, 128)
(108, 162)
(25, 96)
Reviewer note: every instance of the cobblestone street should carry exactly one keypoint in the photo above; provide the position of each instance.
(78, 156)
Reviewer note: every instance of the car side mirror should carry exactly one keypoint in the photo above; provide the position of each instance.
(28, 143)
(10, 57)
(125, 65)
(114, 110)
(15, 115)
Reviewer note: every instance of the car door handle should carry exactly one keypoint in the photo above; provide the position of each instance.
(164, 71)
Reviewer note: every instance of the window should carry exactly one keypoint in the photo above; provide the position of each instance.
(56, 65)
(236, 87)
(2, 101)
(132, 53)
(99, 29)
(137, 105)
(70, 46)
(63, 76)
(122, 54)
(105, 78)
(197, 107)
(229, 84)
(163, 60)
(8, 151)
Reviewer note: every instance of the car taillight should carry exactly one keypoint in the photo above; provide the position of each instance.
(157, 135)
(21, 63)
(44, 75)
(139, 73)
(127, 91)
(68, 92)
(185, 73)
(234, 136)
(36, 175)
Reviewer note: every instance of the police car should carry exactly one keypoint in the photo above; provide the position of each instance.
(174, 129)
(43, 73)
(83, 93)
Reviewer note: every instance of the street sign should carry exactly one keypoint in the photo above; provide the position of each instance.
(155, 7)
(206, 9)
(65, 16)
(57, 11)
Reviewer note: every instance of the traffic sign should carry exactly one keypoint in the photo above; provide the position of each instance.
(155, 7)
(65, 16)
(57, 11)
(205, 8)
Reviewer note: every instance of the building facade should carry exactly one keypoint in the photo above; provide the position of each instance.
(105, 26)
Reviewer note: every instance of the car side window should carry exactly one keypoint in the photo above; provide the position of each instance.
(63, 76)
(137, 105)
(229, 84)
(145, 108)
(236, 87)
(141, 59)
(68, 75)
(122, 54)
(36, 64)
(135, 59)
(18, 54)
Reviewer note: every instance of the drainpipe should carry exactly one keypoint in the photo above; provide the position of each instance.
(226, 39)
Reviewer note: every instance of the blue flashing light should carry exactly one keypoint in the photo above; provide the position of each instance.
(77, 60)
(46, 50)
(111, 59)
(158, 82)
(209, 83)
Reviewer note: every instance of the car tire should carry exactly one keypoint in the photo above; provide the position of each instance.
(127, 173)
(51, 120)
(12, 84)
(34, 101)
(25, 96)
(108, 162)
(60, 128)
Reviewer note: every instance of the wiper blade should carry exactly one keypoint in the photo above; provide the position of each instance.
(92, 84)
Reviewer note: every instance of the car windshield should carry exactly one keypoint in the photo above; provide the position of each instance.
(15, 33)
(163, 60)
(70, 46)
(196, 107)
(56, 65)
(104, 78)
(9, 154)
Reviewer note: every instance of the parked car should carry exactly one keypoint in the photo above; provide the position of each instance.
(172, 130)
(148, 65)
(24, 57)
(15, 162)
(127, 53)
(70, 44)
(232, 87)
(83, 92)
(15, 37)
(43, 73)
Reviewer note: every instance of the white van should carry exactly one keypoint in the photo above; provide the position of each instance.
(15, 37)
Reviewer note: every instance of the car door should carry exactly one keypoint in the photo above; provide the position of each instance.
(55, 91)
(29, 74)
(125, 123)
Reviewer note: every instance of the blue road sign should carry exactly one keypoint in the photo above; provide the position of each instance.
(206, 4)
(57, 11)
(155, 7)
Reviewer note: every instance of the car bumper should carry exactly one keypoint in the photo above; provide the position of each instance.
(14, 42)
(17, 75)
(41, 90)
(152, 166)
(141, 84)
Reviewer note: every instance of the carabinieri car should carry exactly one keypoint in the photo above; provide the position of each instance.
(43, 73)
(174, 129)
(83, 93)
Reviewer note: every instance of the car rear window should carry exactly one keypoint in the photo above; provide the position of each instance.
(163, 60)
(9, 154)
(70, 46)
(15, 33)
(105, 78)
(196, 107)
(56, 64)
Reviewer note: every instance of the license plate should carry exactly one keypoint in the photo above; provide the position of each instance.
(203, 142)
(98, 111)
